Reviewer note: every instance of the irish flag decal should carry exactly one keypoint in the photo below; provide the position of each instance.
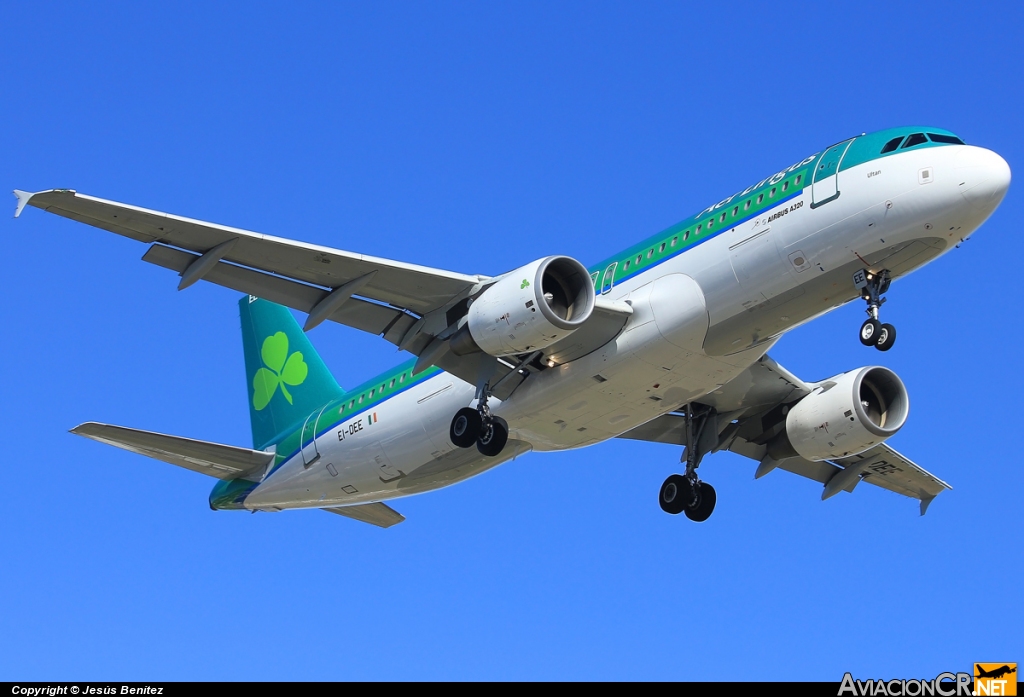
(371, 419)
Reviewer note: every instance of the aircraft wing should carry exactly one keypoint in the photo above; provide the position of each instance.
(410, 306)
(213, 459)
(749, 409)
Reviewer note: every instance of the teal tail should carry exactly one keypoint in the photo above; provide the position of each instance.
(285, 378)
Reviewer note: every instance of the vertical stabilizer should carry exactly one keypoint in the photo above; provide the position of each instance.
(285, 378)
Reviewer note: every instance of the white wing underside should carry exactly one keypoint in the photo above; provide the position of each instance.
(406, 304)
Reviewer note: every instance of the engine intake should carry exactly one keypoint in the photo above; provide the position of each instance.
(844, 416)
(528, 309)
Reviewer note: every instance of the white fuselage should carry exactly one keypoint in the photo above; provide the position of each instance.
(699, 319)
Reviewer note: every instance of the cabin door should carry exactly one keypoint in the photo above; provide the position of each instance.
(825, 180)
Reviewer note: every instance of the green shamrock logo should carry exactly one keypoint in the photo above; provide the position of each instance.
(280, 369)
(526, 284)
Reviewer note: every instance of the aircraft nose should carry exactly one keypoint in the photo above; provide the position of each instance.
(984, 177)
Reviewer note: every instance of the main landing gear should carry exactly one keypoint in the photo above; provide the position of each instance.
(872, 286)
(686, 493)
(489, 432)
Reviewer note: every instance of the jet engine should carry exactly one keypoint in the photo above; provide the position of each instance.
(844, 416)
(528, 309)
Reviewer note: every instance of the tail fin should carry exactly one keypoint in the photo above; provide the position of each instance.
(285, 378)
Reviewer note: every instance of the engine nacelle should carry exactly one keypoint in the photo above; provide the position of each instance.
(528, 309)
(844, 416)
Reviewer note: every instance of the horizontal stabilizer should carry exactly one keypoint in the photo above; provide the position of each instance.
(213, 459)
(378, 514)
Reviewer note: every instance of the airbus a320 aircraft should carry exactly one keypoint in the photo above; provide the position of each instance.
(665, 341)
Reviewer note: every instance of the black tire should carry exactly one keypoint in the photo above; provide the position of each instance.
(493, 437)
(675, 494)
(886, 337)
(705, 504)
(869, 332)
(465, 428)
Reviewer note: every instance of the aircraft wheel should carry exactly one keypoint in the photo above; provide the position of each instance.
(675, 494)
(869, 332)
(493, 437)
(886, 337)
(705, 506)
(466, 427)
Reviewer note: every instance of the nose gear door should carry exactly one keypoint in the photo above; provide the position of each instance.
(825, 180)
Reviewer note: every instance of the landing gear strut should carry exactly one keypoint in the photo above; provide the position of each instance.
(489, 432)
(872, 286)
(686, 493)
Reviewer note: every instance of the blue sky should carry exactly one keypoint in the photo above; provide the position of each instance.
(478, 137)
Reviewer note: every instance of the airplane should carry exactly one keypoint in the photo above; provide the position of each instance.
(666, 341)
(996, 672)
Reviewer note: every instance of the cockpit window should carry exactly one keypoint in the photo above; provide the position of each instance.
(892, 145)
(915, 139)
(938, 138)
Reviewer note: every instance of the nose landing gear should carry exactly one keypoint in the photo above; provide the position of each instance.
(872, 286)
(686, 493)
(469, 426)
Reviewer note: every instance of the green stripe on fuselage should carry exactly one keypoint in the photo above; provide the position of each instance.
(744, 205)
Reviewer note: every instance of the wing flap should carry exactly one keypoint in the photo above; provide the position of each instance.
(884, 467)
(213, 459)
(379, 514)
(355, 312)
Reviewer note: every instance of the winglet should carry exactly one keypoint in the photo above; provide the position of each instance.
(23, 197)
(925, 502)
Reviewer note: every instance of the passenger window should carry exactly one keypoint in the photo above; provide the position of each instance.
(915, 139)
(352, 404)
(627, 265)
(722, 219)
(891, 145)
(760, 198)
(650, 253)
(952, 140)
(746, 206)
(735, 211)
(661, 248)
(785, 185)
(392, 383)
(771, 194)
(711, 223)
(360, 399)
(799, 178)
(674, 240)
(401, 378)
(699, 227)
(639, 258)
(371, 394)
